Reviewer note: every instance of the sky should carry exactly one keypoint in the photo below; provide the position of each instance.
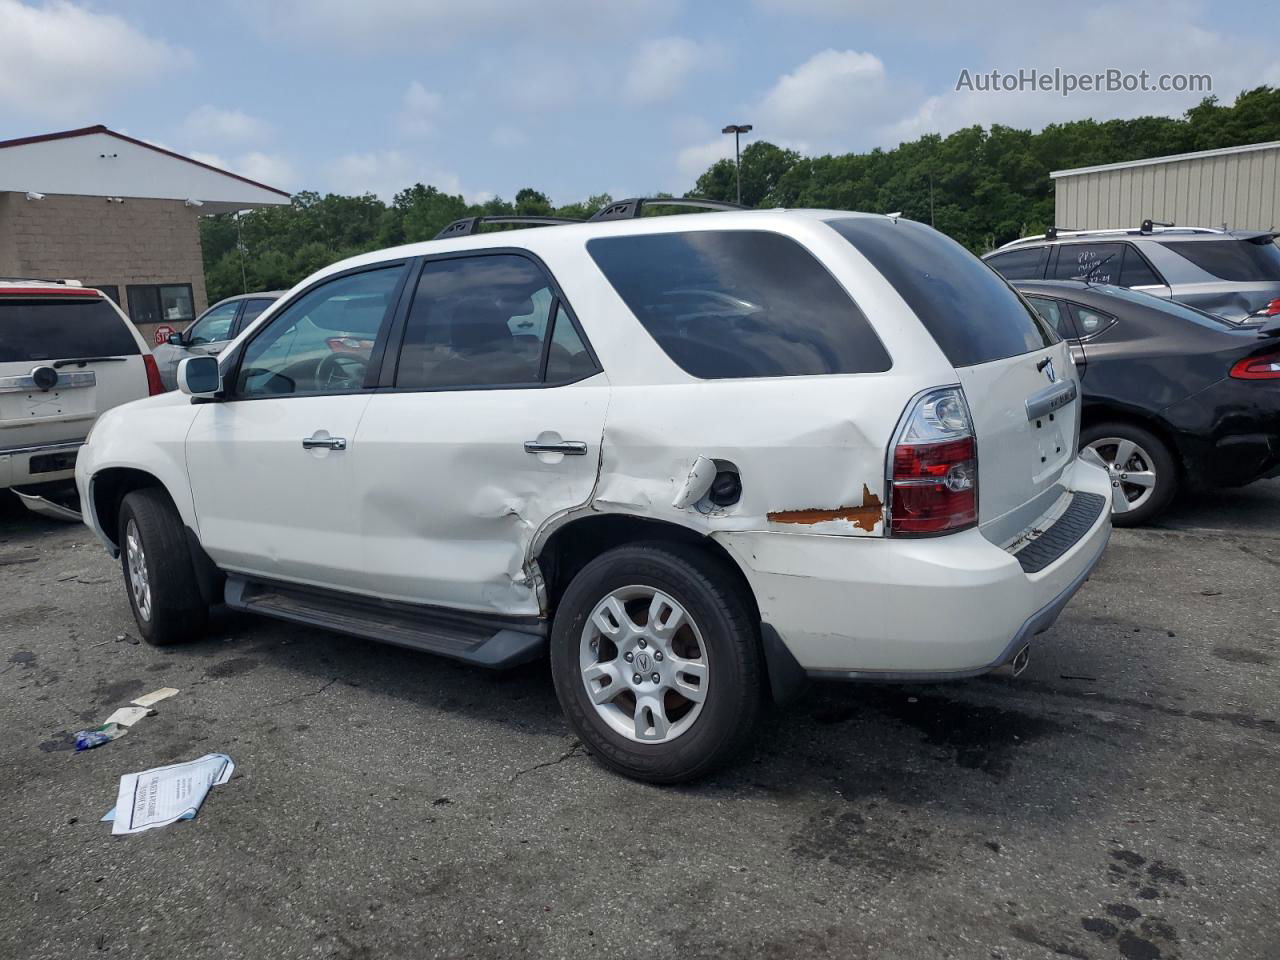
(578, 97)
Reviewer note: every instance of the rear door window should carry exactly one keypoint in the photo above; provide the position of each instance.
(1055, 312)
(62, 328)
(969, 309)
(739, 303)
(1096, 262)
(1241, 261)
(488, 321)
(1024, 264)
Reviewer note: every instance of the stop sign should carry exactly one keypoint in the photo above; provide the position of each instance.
(163, 333)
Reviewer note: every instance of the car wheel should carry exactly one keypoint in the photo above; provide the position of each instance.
(657, 662)
(1140, 463)
(158, 574)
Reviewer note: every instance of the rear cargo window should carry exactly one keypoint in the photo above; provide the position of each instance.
(970, 310)
(739, 303)
(62, 328)
(1238, 260)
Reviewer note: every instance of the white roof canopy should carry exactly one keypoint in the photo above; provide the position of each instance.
(98, 162)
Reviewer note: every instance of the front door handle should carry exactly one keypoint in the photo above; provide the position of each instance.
(570, 448)
(326, 443)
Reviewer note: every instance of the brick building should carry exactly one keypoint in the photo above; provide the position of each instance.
(115, 213)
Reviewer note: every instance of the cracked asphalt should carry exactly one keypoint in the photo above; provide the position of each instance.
(1119, 800)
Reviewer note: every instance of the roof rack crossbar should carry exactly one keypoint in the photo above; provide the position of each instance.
(632, 207)
(469, 225)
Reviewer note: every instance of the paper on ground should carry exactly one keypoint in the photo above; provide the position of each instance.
(159, 797)
(154, 697)
(128, 716)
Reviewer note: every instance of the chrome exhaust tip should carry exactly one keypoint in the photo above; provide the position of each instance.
(1017, 664)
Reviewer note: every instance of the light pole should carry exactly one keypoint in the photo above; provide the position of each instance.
(737, 129)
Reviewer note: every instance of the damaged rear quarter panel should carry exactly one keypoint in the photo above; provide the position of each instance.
(810, 451)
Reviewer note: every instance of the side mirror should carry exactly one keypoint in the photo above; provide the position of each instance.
(175, 339)
(199, 377)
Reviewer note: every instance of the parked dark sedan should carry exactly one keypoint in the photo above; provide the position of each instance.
(1173, 397)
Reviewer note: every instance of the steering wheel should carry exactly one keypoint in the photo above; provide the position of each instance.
(341, 371)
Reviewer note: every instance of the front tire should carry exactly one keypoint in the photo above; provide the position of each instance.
(656, 661)
(1140, 462)
(158, 575)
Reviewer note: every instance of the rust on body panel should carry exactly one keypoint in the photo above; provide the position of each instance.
(865, 516)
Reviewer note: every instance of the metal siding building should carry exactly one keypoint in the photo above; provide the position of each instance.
(1236, 186)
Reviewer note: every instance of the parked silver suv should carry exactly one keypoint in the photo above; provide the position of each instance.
(1232, 273)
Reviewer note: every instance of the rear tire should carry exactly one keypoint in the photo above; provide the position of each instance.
(687, 667)
(1133, 453)
(158, 576)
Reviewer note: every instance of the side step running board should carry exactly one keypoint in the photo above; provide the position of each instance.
(485, 641)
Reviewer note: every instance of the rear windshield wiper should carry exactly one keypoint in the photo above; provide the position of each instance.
(81, 361)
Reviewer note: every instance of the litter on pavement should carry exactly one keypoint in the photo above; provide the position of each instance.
(118, 724)
(165, 795)
(88, 739)
(154, 697)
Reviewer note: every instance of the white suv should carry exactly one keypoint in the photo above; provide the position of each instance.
(67, 353)
(697, 457)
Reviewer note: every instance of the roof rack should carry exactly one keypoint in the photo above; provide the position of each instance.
(632, 207)
(1148, 228)
(468, 225)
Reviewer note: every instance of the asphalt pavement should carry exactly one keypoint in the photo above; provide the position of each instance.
(1119, 800)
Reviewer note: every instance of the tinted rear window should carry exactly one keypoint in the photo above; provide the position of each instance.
(739, 303)
(62, 328)
(972, 313)
(1236, 260)
(1020, 264)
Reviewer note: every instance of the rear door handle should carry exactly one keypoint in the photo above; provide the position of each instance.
(570, 448)
(327, 443)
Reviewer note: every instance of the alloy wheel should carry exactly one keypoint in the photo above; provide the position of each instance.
(644, 664)
(139, 578)
(1129, 465)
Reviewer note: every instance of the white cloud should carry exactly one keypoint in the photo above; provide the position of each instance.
(692, 161)
(61, 59)
(420, 110)
(826, 100)
(661, 67)
(386, 172)
(389, 24)
(210, 124)
(270, 168)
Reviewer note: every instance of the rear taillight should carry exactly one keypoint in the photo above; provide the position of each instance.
(154, 383)
(933, 473)
(1265, 367)
(1272, 309)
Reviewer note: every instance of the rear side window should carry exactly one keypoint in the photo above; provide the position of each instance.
(1135, 271)
(968, 308)
(1021, 264)
(62, 328)
(1238, 260)
(739, 303)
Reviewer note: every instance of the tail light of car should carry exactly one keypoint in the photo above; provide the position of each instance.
(933, 469)
(1263, 367)
(154, 383)
(1272, 309)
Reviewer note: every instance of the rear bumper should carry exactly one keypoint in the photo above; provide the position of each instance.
(1229, 434)
(29, 465)
(861, 608)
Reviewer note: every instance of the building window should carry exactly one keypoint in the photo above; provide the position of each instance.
(161, 303)
(110, 289)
